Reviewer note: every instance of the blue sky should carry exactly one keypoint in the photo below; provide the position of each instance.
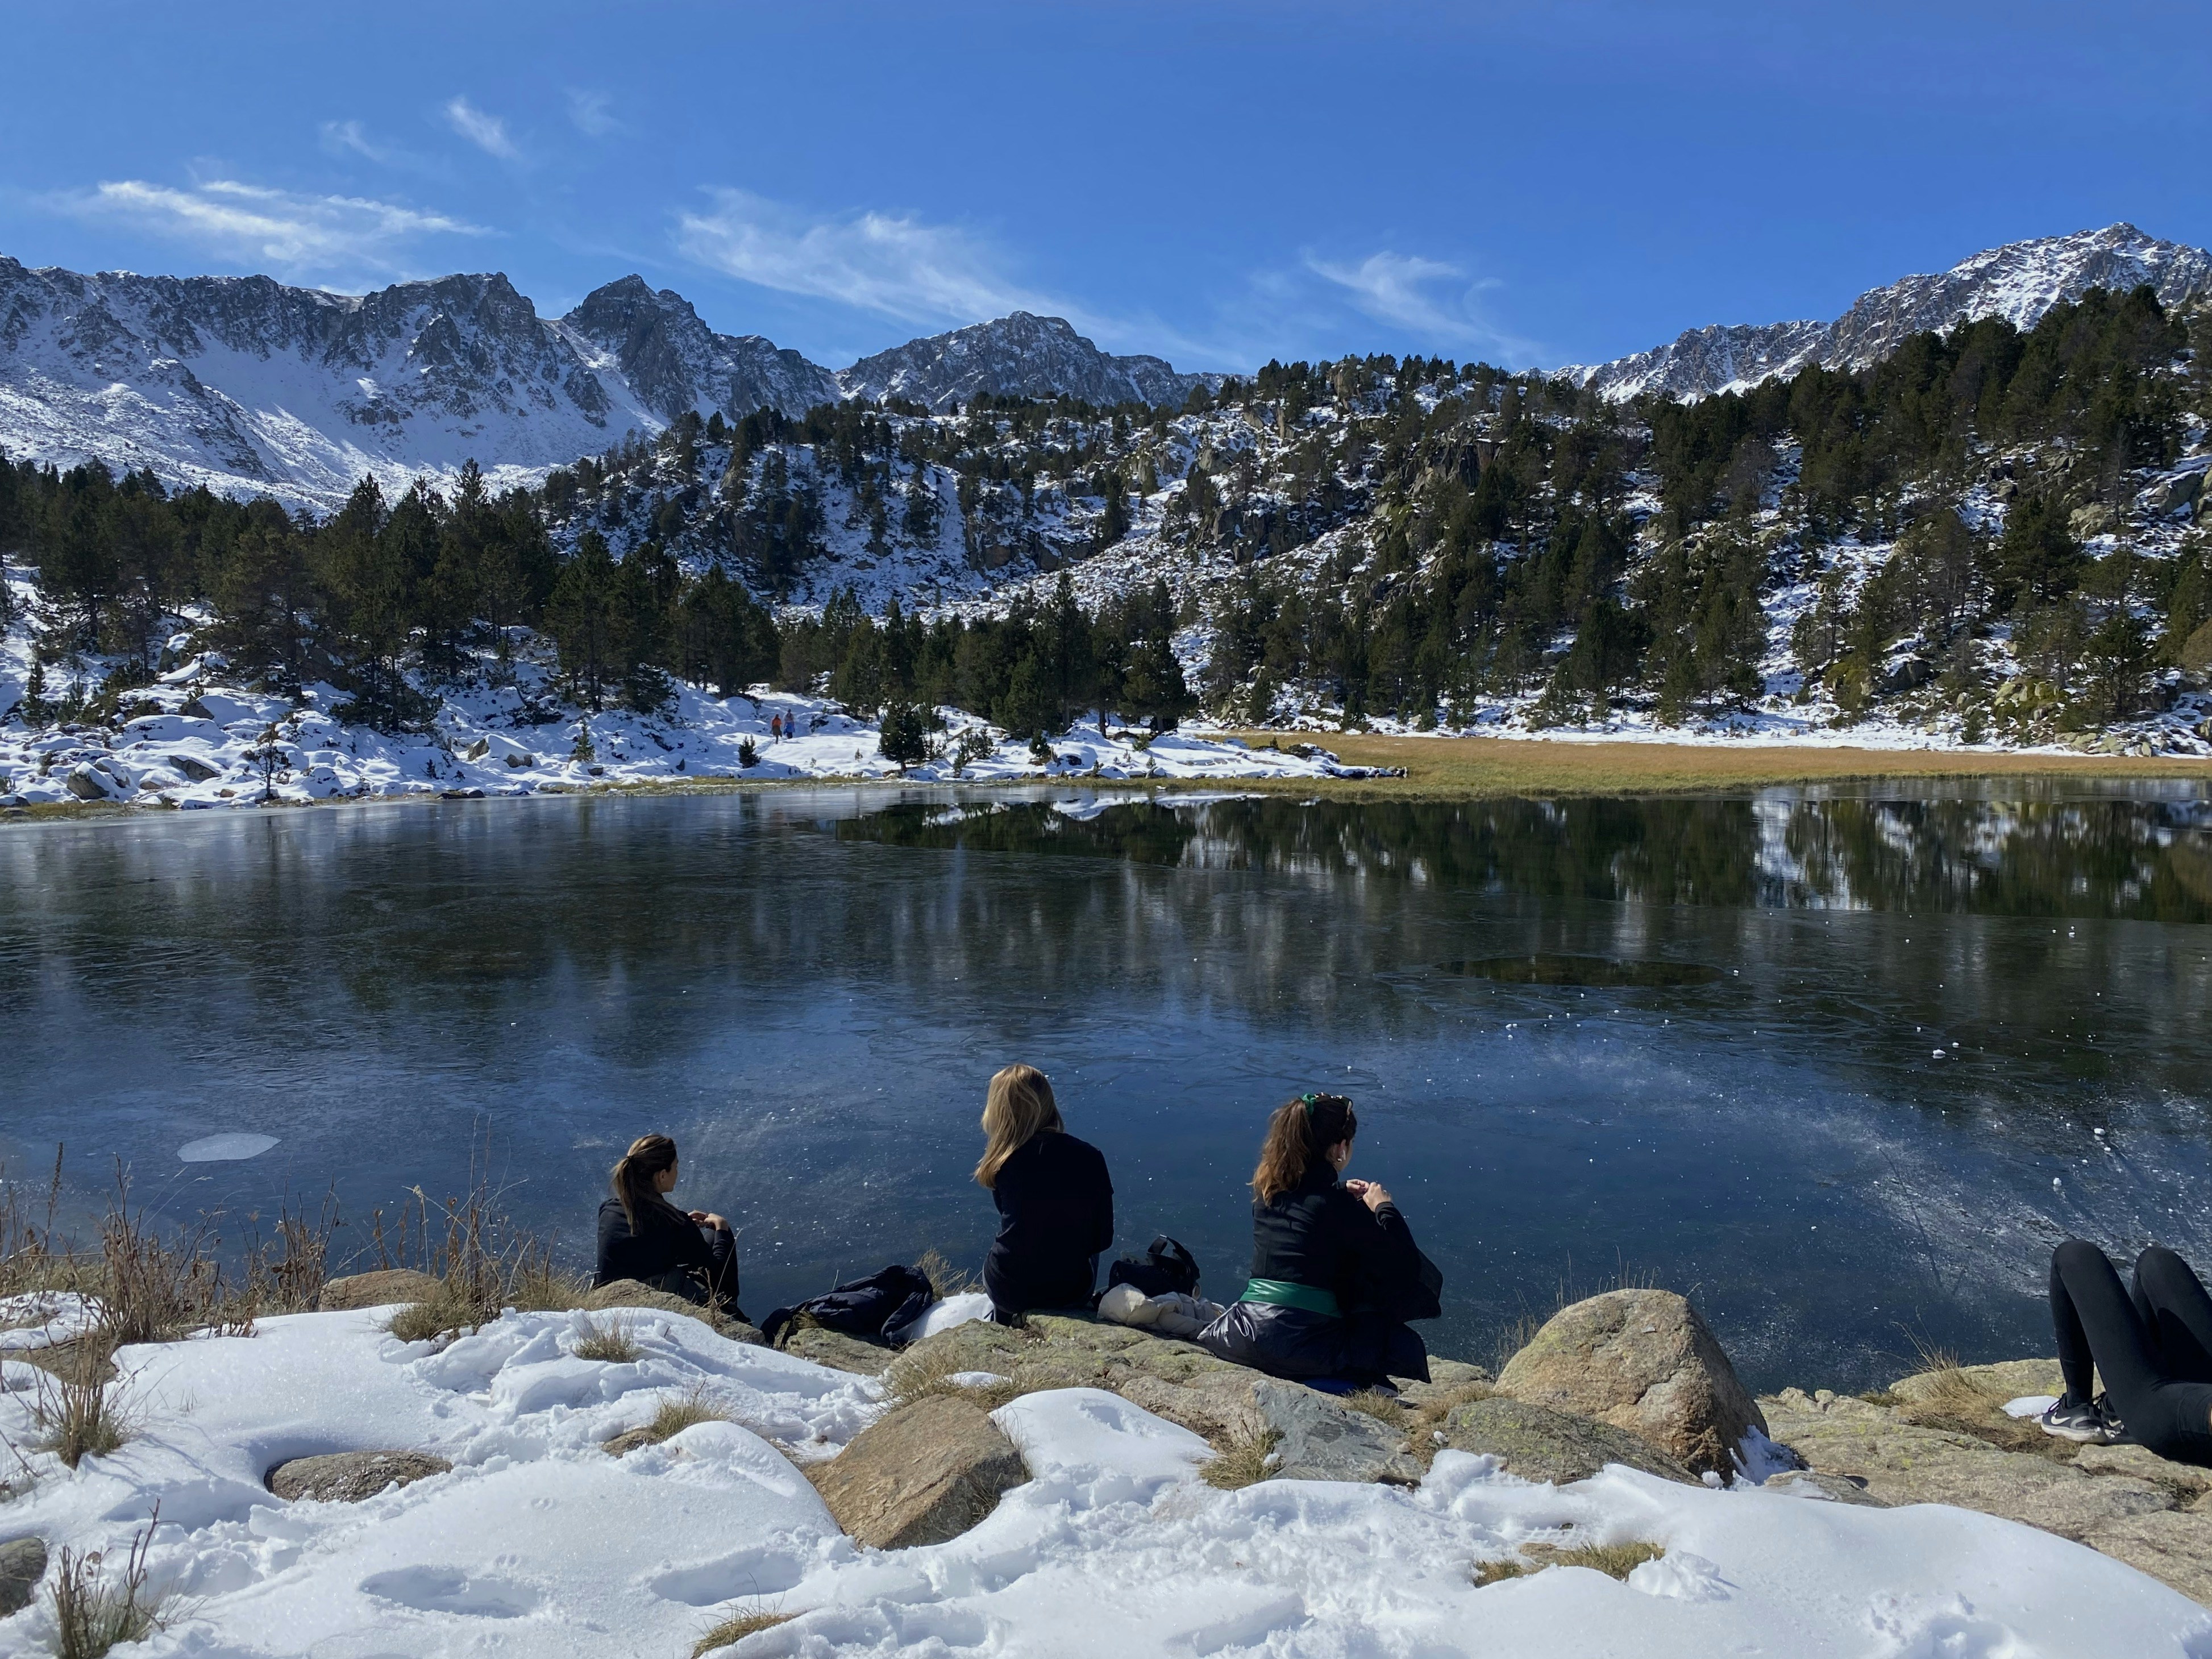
(1526, 184)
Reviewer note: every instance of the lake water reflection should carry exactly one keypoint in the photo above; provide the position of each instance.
(1842, 1065)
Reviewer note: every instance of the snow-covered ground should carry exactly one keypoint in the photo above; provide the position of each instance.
(196, 739)
(538, 1542)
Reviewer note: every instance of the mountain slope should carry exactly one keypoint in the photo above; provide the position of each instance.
(669, 361)
(1019, 356)
(2018, 281)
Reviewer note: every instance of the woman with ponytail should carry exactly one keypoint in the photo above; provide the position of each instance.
(1335, 1272)
(645, 1237)
(1056, 1202)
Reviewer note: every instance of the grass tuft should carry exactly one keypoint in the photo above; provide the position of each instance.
(94, 1613)
(944, 1279)
(917, 1376)
(1614, 1560)
(1243, 1463)
(677, 1412)
(611, 1342)
(745, 1622)
(76, 1418)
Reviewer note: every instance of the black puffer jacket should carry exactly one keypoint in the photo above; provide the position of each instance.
(1056, 1218)
(1320, 1235)
(664, 1242)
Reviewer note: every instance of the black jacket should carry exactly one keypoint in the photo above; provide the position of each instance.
(1056, 1218)
(666, 1240)
(1318, 1234)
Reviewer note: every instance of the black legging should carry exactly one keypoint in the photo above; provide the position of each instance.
(2154, 1348)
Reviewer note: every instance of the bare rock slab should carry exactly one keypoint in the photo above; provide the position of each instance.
(840, 1352)
(1320, 1438)
(376, 1289)
(22, 1564)
(1539, 1443)
(2172, 1546)
(350, 1476)
(921, 1474)
(630, 1294)
(2013, 1379)
(1643, 1361)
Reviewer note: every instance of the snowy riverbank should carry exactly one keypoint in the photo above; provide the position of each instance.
(194, 740)
(538, 1542)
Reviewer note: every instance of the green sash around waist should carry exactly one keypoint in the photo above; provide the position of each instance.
(1284, 1293)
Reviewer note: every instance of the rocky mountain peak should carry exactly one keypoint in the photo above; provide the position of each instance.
(1020, 354)
(2018, 281)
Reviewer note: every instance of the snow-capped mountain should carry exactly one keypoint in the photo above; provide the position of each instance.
(668, 361)
(247, 384)
(1019, 356)
(2018, 281)
(250, 386)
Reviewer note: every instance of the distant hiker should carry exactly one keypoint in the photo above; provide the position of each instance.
(2152, 1346)
(774, 727)
(645, 1237)
(1055, 1203)
(1335, 1272)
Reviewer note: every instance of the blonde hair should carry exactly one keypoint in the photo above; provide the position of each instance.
(1019, 1108)
(1298, 1133)
(632, 1178)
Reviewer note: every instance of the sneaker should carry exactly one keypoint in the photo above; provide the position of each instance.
(2116, 1432)
(2087, 1423)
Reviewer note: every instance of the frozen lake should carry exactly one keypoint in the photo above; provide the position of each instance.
(1834, 1063)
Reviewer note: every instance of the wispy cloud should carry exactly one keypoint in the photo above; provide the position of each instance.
(896, 265)
(1432, 300)
(338, 237)
(485, 130)
(591, 113)
(341, 136)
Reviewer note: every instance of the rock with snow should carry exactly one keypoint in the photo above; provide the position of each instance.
(22, 1564)
(1642, 1360)
(924, 1473)
(352, 1477)
(653, 347)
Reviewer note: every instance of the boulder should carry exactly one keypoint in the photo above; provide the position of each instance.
(350, 1476)
(87, 782)
(22, 1564)
(1643, 1361)
(1322, 1438)
(1538, 1443)
(842, 1352)
(382, 1288)
(1812, 1482)
(921, 1474)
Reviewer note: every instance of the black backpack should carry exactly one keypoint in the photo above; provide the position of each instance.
(1164, 1267)
(884, 1307)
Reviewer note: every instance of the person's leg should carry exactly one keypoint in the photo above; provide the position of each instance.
(2095, 1318)
(2174, 1308)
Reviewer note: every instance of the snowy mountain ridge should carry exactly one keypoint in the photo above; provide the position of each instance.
(2018, 281)
(250, 386)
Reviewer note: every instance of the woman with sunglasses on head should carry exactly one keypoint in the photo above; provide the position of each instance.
(1335, 1272)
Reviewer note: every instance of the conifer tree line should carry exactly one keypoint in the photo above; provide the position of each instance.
(1391, 537)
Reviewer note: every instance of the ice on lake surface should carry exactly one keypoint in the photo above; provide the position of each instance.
(222, 1149)
(1691, 1041)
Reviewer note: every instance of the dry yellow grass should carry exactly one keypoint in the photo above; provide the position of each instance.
(738, 1627)
(1614, 1560)
(1519, 766)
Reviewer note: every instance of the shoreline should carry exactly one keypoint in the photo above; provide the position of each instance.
(1435, 768)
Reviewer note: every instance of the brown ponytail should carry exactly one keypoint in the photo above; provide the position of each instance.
(1300, 1131)
(648, 1156)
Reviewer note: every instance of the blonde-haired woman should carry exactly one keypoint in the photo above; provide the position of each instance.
(1055, 1203)
(645, 1237)
(1335, 1272)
